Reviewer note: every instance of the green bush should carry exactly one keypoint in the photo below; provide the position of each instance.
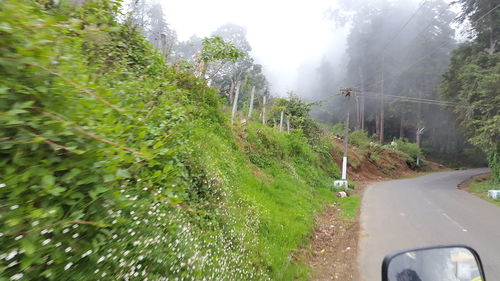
(338, 129)
(494, 164)
(411, 151)
(359, 139)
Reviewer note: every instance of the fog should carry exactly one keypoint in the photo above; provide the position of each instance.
(284, 35)
(391, 53)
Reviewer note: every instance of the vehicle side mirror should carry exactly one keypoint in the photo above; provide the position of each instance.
(441, 263)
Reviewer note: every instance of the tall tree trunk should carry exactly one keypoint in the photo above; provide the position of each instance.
(362, 102)
(281, 121)
(250, 109)
(363, 112)
(231, 90)
(401, 124)
(235, 102)
(264, 110)
(358, 114)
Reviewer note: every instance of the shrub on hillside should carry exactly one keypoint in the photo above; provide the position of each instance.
(359, 139)
(100, 177)
(410, 150)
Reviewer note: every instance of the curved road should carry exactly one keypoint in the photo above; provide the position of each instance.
(426, 211)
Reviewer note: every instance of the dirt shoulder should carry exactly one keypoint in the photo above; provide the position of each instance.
(333, 249)
(334, 246)
(466, 183)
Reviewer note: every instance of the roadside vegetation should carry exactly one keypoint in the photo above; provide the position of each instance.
(369, 149)
(117, 166)
(481, 186)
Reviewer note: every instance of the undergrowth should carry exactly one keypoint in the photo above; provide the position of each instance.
(115, 166)
(481, 187)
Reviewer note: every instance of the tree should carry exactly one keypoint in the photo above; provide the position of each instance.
(150, 20)
(485, 20)
(158, 32)
(473, 80)
(216, 49)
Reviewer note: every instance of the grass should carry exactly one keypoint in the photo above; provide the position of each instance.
(349, 207)
(279, 181)
(480, 188)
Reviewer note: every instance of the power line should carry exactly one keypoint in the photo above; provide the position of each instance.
(411, 65)
(424, 57)
(411, 99)
(403, 27)
(487, 13)
(416, 100)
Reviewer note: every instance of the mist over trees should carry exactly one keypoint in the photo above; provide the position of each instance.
(395, 56)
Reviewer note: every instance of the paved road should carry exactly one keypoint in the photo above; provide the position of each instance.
(425, 211)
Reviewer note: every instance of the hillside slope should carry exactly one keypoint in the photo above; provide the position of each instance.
(115, 166)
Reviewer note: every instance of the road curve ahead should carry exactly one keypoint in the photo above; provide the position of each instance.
(426, 211)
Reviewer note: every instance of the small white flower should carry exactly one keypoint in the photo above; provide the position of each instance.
(50, 262)
(2, 185)
(16, 276)
(75, 235)
(12, 264)
(87, 253)
(68, 265)
(1, 234)
(35, 223)
(18, 237)
(45, 242)
(65, 230)
(67, 249)
(58, 244)
(52, 211)
(75, 225)
(14, 207)
(126, 253)
(100, 259)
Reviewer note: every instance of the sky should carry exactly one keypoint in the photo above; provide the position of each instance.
(284, 34)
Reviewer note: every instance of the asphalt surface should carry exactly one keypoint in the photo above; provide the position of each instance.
(427, 211)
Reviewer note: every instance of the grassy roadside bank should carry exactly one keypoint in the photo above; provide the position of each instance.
(127, 168)
(479, 186)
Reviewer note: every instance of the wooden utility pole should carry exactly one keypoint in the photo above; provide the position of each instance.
(420, 131)
(235, 102)
(288, 125)
(347, 92)
(264, 110)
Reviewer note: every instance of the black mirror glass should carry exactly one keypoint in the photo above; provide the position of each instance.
(433, 264)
